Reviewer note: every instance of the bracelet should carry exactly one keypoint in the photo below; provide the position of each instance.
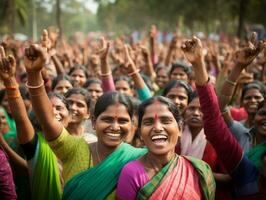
(107, 74)
(134, 72)
(230, 82)
(12, 87)
(14, 96)
(33, 86)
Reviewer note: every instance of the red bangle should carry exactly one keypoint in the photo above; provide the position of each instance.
(12, 87)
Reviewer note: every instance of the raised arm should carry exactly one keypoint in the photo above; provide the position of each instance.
(242, 59)
(34, 60)
(106, 72)
(7, 73)
(142, 89)
(214, 126)
(149, 66)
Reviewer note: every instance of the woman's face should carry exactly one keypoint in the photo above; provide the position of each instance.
(251, 100)
(162, 78)
(159, 129)
(62, 87)
(95, 90)
(78, 108)
(179, 97)
(60, 111)
(260, 121)
(193, 115)
(78, 77)
(122, 86)
(113, 125)
(179, 74)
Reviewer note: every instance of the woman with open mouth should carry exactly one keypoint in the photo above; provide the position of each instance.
(98, 164)
(161, 173)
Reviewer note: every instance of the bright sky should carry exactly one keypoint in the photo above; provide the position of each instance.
(91, 5)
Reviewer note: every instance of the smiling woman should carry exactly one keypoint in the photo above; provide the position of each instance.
(162, 174)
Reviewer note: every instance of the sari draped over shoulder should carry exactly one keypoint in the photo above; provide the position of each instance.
(255, 154)
(183, 178)
(100, 181)
(45, 175)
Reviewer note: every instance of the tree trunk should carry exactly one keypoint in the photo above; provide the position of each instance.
(241, 17)
(58, 18)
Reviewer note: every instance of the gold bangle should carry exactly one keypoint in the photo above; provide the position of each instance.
(230, 82)
(33, 86)
(134, 72)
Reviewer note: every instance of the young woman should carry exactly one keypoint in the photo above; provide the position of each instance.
(162, 174)
(78, 75)
(94, 88)
(179, 92)
(42, 163)
(112, 121)
(244, 173)
(61, 84)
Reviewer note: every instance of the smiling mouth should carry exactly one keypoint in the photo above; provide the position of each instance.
(114, 136)
(159, 139)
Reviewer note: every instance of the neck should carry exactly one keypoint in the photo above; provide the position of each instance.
(194, 131)
(250, 121)
(104, 150)
(157, 162)
(75, 129)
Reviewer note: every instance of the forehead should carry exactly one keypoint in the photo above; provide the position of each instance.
(253, 92)
(179, 70)
(78, 72)
(76, 98)
(178, 90)
(122, 83)
(63, 83)
(118, 110)
(158, 109)
(162, 72)
(56, 101)
(195, 102)
(94, 85)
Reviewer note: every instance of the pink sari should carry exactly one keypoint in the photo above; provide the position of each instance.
(181, 183)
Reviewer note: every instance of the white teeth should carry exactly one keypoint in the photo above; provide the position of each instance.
(157, 137)
(113, 134)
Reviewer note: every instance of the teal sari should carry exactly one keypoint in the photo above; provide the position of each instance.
(100, 181)
(255, 154)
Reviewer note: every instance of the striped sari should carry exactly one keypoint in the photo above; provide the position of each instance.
(180, 179)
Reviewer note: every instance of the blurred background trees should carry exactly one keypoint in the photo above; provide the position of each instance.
(229, 16)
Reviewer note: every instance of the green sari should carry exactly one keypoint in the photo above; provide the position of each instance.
(255, 154)
(100, 181)
(45, 177)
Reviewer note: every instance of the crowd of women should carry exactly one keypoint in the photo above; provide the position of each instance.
(104, 119)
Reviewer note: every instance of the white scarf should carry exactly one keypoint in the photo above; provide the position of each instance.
(195, 148)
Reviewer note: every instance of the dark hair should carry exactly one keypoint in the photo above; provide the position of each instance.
(111, 98)
(82, 91)
(160, 68)
(254, 85)
(92, 81)
(33, 119)
(77, 66)
(186, 68)
(59, 78)
(262, 103)
(59, 96)
(177, 83)
(171, 106)
(126, 79)
(23, 76)
(194, 95)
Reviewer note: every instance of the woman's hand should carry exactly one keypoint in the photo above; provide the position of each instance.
(103, 50)
(193, 51)
(7, 65)
(245, 56)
